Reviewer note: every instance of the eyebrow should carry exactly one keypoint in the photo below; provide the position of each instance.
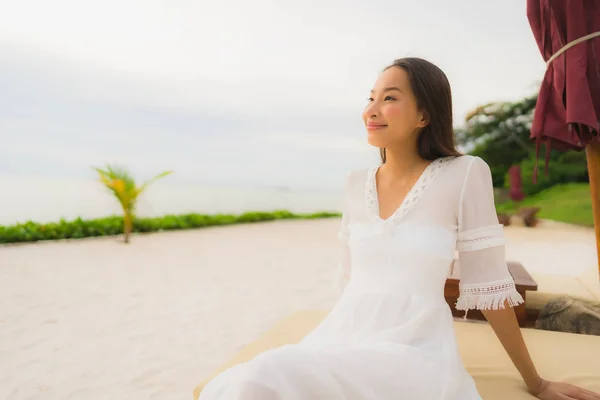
(387, 89)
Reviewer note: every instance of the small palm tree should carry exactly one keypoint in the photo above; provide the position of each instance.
(120, 182)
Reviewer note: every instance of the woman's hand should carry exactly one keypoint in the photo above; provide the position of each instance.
(562, 391)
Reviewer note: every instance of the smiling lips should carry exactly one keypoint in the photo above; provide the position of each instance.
(373, 127)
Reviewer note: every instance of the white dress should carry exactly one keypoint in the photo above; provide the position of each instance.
(391, 333)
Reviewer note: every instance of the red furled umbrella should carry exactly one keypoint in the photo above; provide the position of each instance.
(567, 113)
(516, 183)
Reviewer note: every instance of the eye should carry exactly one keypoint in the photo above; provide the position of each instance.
(389, 98)
(370, 99)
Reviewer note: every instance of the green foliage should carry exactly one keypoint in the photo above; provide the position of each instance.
(122, 185)
(120, 182)
(499, 134)
(80, 228)
(500, 121)
(563, 168)
(31, 231)
(570, 203)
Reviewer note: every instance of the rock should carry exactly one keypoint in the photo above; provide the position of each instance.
(570, 314)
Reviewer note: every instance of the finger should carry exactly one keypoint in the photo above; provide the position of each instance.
(596, 394)
(582, 394)
(571, 393)
(589, 395)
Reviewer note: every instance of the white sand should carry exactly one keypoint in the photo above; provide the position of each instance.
(97, 319)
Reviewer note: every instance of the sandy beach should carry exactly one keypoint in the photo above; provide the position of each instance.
(97, 319)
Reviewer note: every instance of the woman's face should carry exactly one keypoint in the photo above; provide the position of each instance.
(392, 116)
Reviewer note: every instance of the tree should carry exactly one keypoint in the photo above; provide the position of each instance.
(120, 182)
(499, 133)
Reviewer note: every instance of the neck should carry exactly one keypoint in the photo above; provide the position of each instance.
(402, 160)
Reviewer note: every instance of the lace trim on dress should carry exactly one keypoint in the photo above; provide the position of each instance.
(481, 238)
(488, 296)
(412, 197)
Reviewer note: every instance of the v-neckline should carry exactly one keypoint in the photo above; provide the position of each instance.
(411, 197)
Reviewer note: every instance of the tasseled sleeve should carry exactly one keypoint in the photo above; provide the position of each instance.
(485, 282)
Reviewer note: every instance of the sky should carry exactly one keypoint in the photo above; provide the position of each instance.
(257, 93)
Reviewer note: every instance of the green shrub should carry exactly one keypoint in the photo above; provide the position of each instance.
(255, 216)
(569, 167)
(79, 228)
(570, 203)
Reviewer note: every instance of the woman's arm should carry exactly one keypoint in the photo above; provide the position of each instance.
(486, 283)
(504, 323)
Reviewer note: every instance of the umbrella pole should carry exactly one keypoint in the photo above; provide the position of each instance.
(593, 162)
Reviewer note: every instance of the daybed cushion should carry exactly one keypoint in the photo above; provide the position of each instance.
(558, 356)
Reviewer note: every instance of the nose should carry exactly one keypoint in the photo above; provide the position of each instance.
(372, 110)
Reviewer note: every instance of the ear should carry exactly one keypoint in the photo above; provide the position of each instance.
(424, 119)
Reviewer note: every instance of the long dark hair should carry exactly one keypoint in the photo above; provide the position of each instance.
(432, 91)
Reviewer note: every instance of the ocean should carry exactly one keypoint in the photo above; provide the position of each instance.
(47, 200)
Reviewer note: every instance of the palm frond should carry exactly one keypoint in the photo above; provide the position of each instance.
(121, 183)
(159, 176)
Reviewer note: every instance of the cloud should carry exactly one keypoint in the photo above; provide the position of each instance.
(268, 55)
(236, 92)
(56, 130)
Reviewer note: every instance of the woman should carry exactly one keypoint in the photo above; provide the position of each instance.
(391, 334)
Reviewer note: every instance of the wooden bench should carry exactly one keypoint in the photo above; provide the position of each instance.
(523, 281)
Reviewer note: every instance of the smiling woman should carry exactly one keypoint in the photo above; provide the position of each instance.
(391, 330)
(403, 98)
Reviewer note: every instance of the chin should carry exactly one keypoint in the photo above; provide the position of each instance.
(375, 141)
